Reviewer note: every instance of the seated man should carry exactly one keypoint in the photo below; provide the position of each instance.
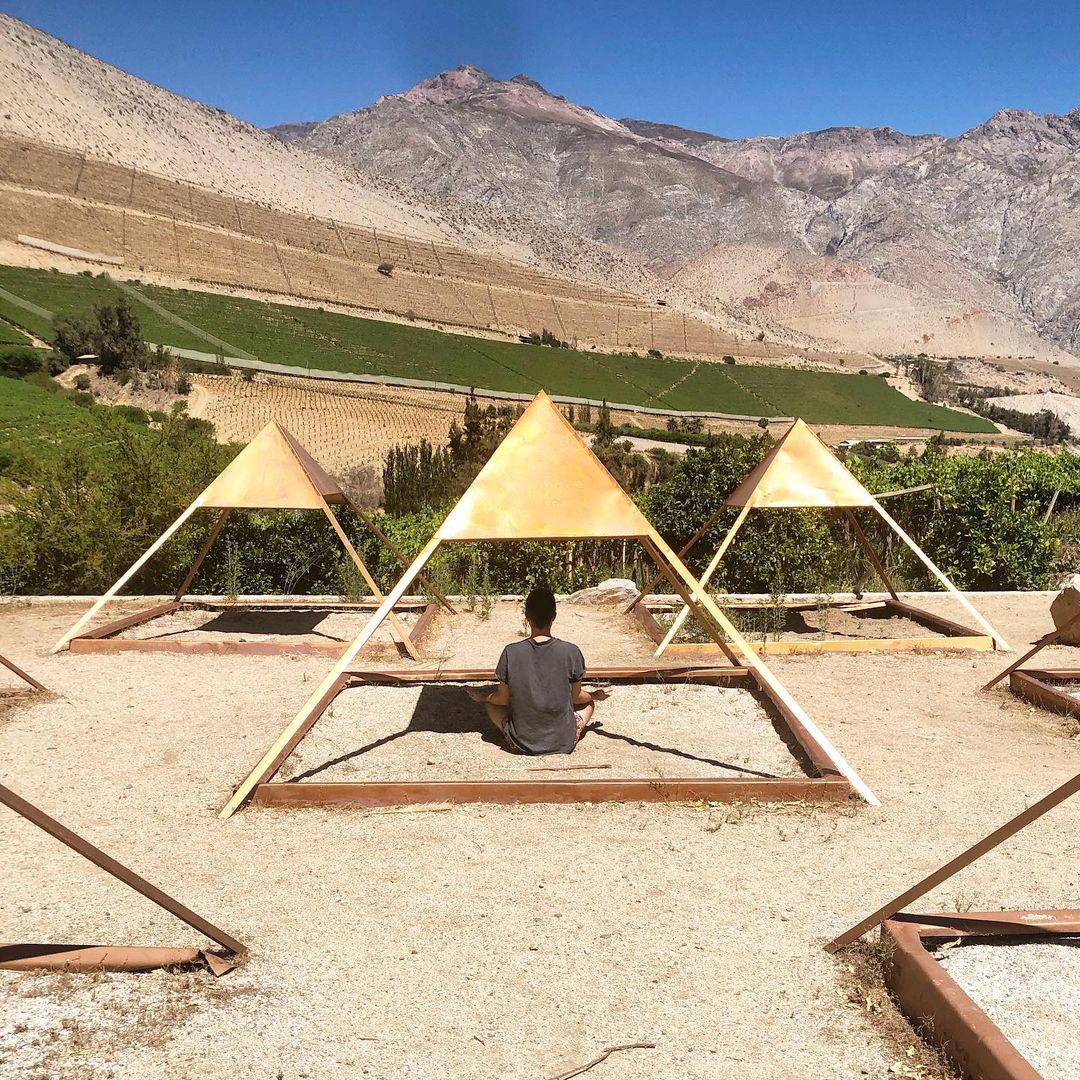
(540, 705)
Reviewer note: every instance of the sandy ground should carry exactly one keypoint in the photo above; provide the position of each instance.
(1031, 990)
(497, 941)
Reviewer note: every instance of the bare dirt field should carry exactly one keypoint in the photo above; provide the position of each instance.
(503, 942)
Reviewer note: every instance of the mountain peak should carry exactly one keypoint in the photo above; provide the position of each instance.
(449, 86)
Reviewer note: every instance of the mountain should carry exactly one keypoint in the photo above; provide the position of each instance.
(57, 96)
(904, 242)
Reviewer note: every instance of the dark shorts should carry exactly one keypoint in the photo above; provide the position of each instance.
(516, 749)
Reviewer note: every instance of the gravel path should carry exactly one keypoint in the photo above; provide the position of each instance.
(495, 942)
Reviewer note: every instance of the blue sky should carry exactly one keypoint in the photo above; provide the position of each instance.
(769, 67)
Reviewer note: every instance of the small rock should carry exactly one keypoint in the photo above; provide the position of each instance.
(1066, 606)
(614, 591)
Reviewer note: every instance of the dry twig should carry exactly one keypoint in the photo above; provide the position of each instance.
(565, 768)
(607, 1052)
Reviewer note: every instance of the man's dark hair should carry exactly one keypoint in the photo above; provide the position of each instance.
(540, 607)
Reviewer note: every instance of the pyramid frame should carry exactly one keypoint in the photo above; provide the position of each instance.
(87, 958)
(273, 472)
(32, 685)
(1041, 685)
(801, 472)
(564, 476)
(929, 996)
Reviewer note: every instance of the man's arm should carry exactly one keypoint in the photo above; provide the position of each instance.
(580, 696)
(499, 696)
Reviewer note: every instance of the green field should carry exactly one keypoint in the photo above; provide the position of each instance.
(36, 424)
(308, 337)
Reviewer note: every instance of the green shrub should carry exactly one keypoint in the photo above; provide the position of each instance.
(17, 361)
(82, 382)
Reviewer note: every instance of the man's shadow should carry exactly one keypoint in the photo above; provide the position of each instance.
(299, 623)
(446, 709)
(442, 709)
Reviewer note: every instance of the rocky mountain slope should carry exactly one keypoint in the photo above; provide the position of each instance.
(965, 244)
(55, 94)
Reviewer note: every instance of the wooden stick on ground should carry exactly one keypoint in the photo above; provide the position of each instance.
(603, 1056)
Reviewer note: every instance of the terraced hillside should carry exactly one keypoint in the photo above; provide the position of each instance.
(139, 224)
(310, 338)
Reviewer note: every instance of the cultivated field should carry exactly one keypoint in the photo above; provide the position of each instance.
(398, 945)
(305, 337)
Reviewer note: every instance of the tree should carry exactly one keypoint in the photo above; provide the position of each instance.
(73, 336)
(118, 337)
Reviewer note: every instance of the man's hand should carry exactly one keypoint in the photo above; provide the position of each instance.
(599, 694)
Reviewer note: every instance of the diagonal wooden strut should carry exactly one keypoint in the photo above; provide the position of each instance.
(127, 576)
(395, 622)
(870, 552)
(214, 533)
(953, 866)
(687, 547)
(925, 559)
(119, 871)
(706, 577)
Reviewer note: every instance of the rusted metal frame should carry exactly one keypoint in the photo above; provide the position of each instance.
(870, 552)
(1037, 686)
(829, 785)
(954, 865)
(1023, 922)
(96, 641)
(290, 603)
(136, 618)
(37, 957)
(620, 675)
(684, 789)
(215, 532)
(110, 865)
(406, 641)
(933, 620)
(369, 521)
(29, 679)
(934, 1001)
(1046, 639)
(982, 642)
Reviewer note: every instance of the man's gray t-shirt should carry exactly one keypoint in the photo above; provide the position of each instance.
(539, 674)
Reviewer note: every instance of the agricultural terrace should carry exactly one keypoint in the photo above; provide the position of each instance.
(310, 338)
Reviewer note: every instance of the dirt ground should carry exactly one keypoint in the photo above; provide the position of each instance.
(499, 942)
(1031, 990)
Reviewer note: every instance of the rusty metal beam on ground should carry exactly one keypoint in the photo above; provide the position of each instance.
(28, 679)
(110, 865)
(954, 865)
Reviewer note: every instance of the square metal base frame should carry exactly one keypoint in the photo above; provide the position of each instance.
(956, 636)
(103, 639)
(932, 999)
(1042, 687)
(827, 786)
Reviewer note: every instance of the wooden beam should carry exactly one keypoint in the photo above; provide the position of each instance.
(95, 855)
(870, 552)
(953, 866)
(765, 676)
(687, 547)
(128, 575)
(679, 619)
(215, 531)
(395, 622)
(369, 521)
(929, 564)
